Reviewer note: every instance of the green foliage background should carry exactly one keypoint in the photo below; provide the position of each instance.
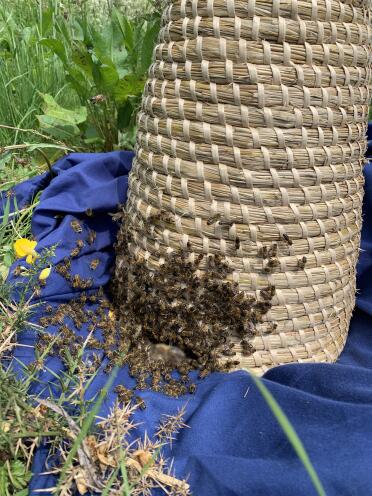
(71, 75)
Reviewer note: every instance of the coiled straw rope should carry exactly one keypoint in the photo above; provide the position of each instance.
(254, 115)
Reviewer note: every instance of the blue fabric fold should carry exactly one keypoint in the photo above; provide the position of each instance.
(233, 446)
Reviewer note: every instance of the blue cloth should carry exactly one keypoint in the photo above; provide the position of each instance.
(234, 446)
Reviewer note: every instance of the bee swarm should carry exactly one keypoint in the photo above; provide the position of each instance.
(178, 318)
(162, 323)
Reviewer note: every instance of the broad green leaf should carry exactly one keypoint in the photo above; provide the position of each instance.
(103, 45)
(79, 82)
(52, 109)
(64, 29)
(121, 61)
(147, 47)
(128, 86)
(8, 259)
(126, 29)
(82, 58)
(106, 78)
(58, 128)
(290, 434)
(125, 114)
(56, 46)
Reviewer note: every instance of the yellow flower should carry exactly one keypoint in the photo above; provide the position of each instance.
(45, 273)
(25, 248)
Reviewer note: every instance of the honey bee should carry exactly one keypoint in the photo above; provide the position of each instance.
(267, 293)
(36, 365)
(89, 212)
(192, 388)
(227, 351)
(247, 348)
(63, 270)
(17, 271)
(204, 373)
(20, 161)
(263, 252)
(44, 321)
(271, 327)
(94, 264)
(214, 219)
(124, 394)
(77, 281)
(140, 403)
(75, 252)
(91, 236)
(97, 99)
(301, 263)
(225, 222)
(271, 264)
(287, 239)
(273, 251)
(237, 243)
(76, 226)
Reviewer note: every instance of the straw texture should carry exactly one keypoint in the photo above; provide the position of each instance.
(252, 134)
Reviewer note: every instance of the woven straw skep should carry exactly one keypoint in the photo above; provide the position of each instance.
(255, 112)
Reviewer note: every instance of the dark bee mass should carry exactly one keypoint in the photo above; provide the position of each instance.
(185, 315)
(173, 318)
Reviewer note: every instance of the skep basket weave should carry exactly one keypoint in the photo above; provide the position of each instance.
(255, 112)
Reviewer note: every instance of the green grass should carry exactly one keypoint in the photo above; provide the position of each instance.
(30, 69)
(27, 68)
(291, 435)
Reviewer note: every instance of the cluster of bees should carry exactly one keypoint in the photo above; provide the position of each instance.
(269, 255)
(87, 315)
(64, 268)
(174, 320)
(162, 323)
(67, 342)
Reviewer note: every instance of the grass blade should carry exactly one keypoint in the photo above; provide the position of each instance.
(123, 469)
(291, 434)
(86, 426)
(106, 491)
